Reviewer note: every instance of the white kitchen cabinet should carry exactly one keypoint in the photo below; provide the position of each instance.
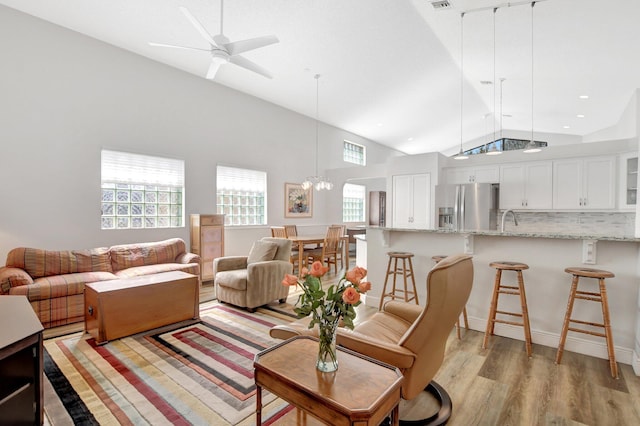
(627, 193)
(412, 201)
(482, 174)
(584, 183)
(526, 185)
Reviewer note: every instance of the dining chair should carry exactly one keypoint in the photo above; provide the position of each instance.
(292, 230)
(331, 250)
(278, 232)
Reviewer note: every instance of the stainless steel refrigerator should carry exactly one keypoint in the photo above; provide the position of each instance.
(467, 207)
(377, 208)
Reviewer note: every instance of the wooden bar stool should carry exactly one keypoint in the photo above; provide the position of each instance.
(498, 289)
(406, 270)
(437, 258)
(600, 297)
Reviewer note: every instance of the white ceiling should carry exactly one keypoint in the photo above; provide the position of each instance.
(390, 69)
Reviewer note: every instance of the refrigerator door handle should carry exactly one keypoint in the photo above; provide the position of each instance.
(462, 197)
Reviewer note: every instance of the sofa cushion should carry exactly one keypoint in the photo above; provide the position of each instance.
(127, 255)
(136, 271)
(43, 263)
(236, 280)
(262, 251)
(13, 277)
(60, 285)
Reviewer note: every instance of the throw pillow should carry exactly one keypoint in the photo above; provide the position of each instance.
(262, 251)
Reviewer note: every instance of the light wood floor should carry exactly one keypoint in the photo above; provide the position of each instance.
(501, 386)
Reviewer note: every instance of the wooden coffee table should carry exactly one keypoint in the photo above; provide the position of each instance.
(119, 308)
(363, 391)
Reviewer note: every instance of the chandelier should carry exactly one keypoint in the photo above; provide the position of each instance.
(316, 181)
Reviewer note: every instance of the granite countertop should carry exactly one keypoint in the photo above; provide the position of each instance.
(566, 236)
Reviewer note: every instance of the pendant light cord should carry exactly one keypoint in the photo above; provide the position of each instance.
(317, 77)
(221, 16)
(461, 75)
(495, 9)
(533, 3)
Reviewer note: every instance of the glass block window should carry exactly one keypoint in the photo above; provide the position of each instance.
(140, 191)
(353, 197)
(354, 153)
(242, 196)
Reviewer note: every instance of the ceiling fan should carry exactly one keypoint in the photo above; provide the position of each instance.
(222, 50)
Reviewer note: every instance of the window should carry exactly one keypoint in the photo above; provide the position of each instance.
(242, 196)
(354, 153)
(353, 202)
(140, 191)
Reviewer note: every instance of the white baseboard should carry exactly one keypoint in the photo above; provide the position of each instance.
(573, 343)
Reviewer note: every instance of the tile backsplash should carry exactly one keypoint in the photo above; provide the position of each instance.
(596, 223)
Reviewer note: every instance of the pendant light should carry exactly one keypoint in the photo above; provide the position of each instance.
(531, 146)
(317, 181)
(493, 150)
(461, 155)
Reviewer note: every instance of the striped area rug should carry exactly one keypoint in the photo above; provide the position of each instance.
(199, 374)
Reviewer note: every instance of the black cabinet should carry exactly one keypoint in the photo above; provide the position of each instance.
(20, 363)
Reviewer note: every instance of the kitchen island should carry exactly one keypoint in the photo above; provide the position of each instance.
(546, 283)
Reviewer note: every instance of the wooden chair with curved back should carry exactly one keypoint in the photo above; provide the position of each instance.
(413, 338)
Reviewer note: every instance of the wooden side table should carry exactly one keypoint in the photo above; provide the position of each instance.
(363, 391)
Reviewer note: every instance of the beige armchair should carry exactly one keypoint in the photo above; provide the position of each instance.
(411, 337)
(254, 280)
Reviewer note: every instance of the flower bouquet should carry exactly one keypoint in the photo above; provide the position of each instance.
(328, 309)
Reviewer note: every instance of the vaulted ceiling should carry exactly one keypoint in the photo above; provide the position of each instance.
(390, 69)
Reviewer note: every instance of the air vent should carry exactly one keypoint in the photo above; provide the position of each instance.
(440, 4)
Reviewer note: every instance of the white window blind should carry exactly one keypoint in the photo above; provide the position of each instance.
(125, 167)
(235, 179)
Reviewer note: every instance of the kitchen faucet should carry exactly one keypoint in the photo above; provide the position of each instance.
(504, 216)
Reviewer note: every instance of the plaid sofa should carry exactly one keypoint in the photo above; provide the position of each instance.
(53, 281)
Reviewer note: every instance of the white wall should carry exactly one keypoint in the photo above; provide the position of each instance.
(64, 97)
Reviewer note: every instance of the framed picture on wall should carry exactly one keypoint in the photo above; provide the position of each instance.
(297, 201)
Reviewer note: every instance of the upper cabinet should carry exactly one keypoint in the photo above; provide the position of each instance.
(480, 174)
(526, 185)
(412, 201)
(586, 183)
(627, 193)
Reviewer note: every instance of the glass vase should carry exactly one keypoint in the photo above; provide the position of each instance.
(327, 358)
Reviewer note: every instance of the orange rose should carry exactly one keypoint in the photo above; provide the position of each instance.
(364, 286)
(356, 275)
(318, 269)
(350, 296)
(290, 280)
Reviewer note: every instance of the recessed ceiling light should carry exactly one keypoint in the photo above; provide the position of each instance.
(580, 115)
(379, 124)
(584, 96)
(566, 127)
(409, 139)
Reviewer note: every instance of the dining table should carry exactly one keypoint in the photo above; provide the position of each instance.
(302, 240)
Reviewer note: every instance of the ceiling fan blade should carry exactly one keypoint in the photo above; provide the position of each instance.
(176, 47)
(241, 46)
(213, 69)
(198, 26)
(251, 66)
